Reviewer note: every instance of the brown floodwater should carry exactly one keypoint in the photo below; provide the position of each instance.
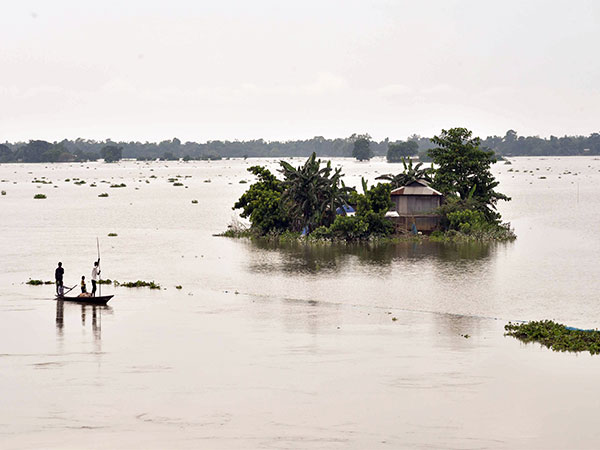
(289, 346)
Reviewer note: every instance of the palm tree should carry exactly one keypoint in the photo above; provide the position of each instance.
(411, 173)
(312, 193)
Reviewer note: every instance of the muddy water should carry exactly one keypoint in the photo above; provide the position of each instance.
(289, 346)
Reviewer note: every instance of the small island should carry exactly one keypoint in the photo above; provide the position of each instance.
(452, 200)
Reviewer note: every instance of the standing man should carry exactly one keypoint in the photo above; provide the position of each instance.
(95, 275)
(58, 277)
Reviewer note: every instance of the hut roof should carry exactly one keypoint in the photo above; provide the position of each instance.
(418, 187)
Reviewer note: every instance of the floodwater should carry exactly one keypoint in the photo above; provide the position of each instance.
(290, 346)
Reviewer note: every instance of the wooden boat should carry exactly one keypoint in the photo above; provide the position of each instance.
(98, 300)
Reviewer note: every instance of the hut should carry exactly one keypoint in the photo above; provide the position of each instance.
(415, 204)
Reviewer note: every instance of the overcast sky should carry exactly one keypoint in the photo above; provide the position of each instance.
(153, 70)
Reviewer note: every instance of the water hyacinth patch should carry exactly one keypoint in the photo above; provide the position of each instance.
(104, 194)
(556, 336)
(39, 196)
(140, 283)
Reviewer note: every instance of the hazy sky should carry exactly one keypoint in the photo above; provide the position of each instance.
(153, 70)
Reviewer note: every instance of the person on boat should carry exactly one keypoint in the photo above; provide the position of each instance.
(58, 277)
(95, 276)
(83, 288)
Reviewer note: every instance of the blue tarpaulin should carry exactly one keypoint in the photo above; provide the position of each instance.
(345, 209)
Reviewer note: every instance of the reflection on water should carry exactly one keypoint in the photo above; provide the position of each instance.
(299, 257)
(96, 311)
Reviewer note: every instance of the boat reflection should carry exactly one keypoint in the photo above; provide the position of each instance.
(96, 311)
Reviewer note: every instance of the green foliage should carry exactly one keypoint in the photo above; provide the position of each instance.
(262, 203)
(556, 336)
(140, 283)
(466, 220)
(362, 148)
(397, 151)
(464, 170)
(107, 281)
(312, 193)
(39, 196)
(35, 282)
(111, 153)
(411, 173)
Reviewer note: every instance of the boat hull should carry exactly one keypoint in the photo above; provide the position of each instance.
(98, 300)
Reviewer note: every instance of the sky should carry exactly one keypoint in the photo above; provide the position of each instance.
(280, 70)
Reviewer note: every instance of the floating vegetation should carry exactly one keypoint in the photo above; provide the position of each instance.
(41, 181)
(140, 283)
(39, 196)
(193, 201)
(112, 234)
(243, 182)
(178, 286)
(172, 180)
(107, 281)
(556, 336)
(4, 193)
(177, 184)
(38, 282)
(80, 182)
(104, 194)
(122, 185)
(207, 181)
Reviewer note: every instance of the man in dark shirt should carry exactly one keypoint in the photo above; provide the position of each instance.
(58, 276)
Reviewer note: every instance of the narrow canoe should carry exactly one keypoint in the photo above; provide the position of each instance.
(98, 300)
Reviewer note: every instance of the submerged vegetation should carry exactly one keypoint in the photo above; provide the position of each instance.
(38, 282)
(312, 200)
(140, 283)
(556, 336)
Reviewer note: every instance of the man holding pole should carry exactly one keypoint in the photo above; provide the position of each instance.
(95, 276)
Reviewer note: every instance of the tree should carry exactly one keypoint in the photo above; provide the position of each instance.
(6, 155)
(362, 148)
(464, 170)
(262, 204)
(35, 151)
(111, 153)
(397, 151)
(411, 173)
(312, 193)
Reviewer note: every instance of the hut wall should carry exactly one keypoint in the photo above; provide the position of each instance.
(416, 204)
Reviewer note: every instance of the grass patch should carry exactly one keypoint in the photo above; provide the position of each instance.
(104, 194)
(39, 196)
(140, 283)
(556, 336)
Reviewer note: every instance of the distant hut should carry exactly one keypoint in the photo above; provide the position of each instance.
(415, 204)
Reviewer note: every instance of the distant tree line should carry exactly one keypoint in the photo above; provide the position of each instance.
(361, 146)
